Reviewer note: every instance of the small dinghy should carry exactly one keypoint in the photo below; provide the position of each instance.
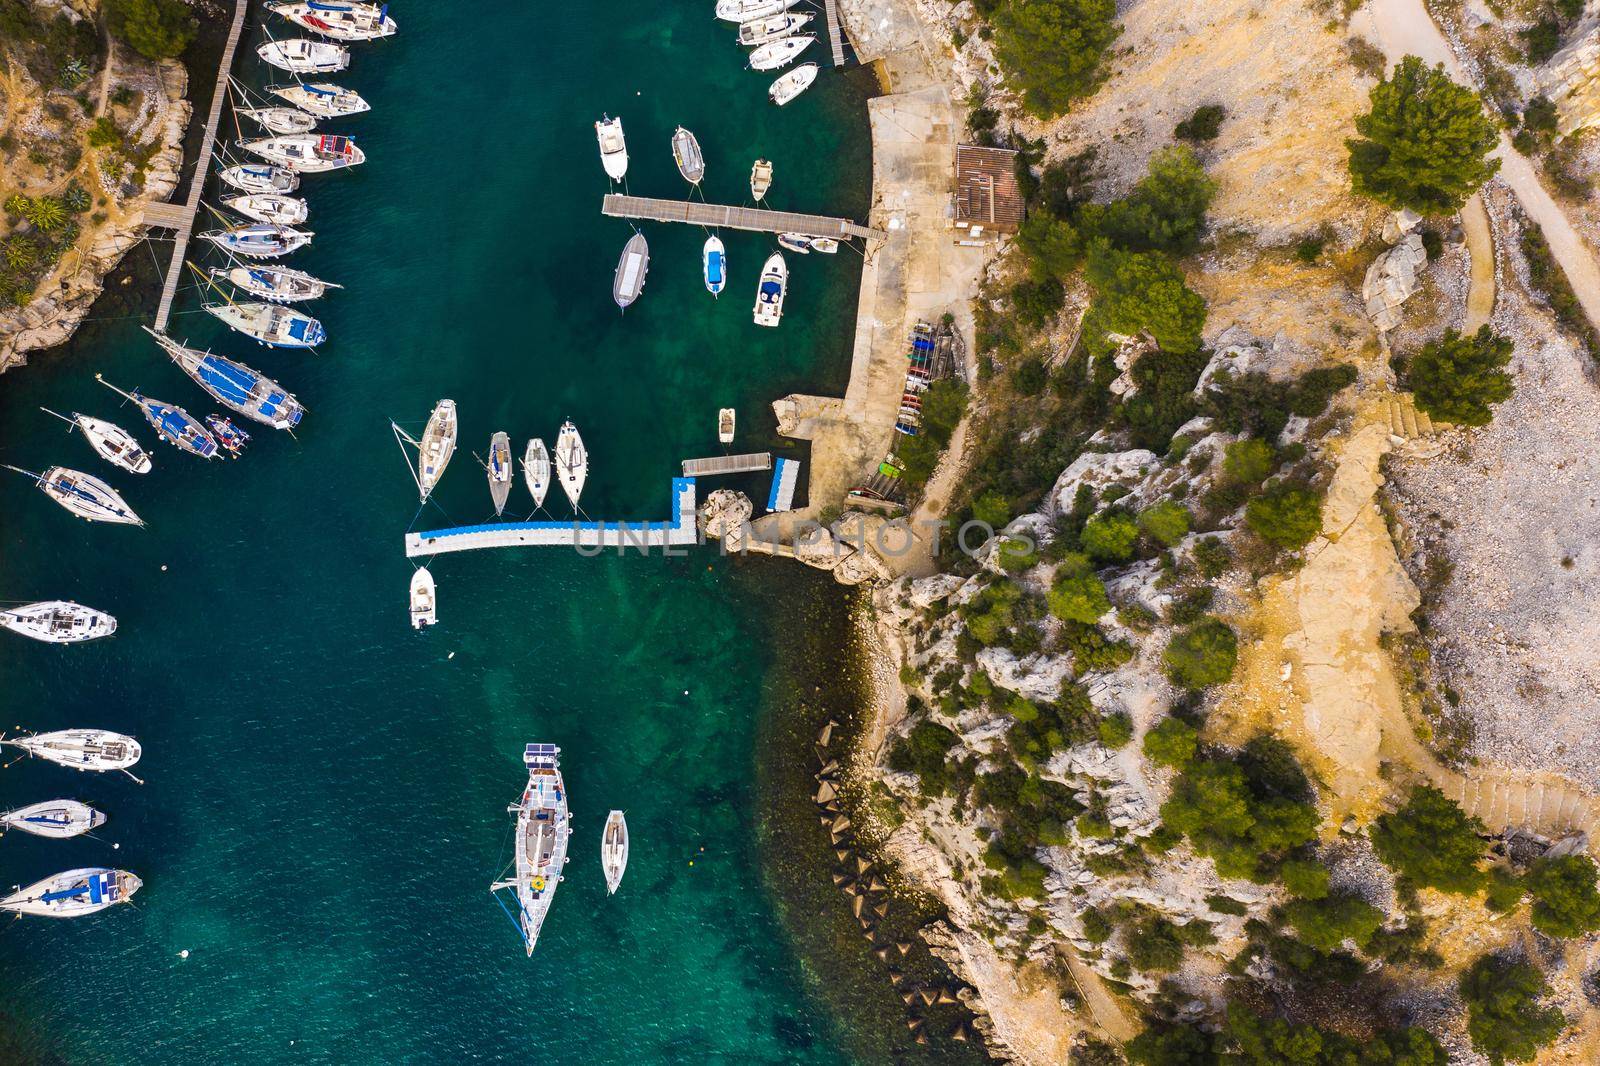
(614, 850)
(280, 119)
(714, 265)
(113, 443)
(230, 438)
(764, 30)
(434, 450)
(97, 750)
(249, 178)
(83, 494)
(686, 153)
(536, 471)
(269, 207)
(339, 21)
(172, 423)
(235, 386)
(308, 153)
(825, 245)
(795, 242)
(770, 291)
(300, 55)
(58, 622)
(57, 819)
(632, 267)
(725, 420)
(323, 99)
(760, 179)
(499, 470)
(779, 53)
(613, 146)
(263, 240)
(572, 462)
(424, 603)
(792, 84)
(278, 284)
(540, 852)
(74, 893)
(271, 324)
(750, 10)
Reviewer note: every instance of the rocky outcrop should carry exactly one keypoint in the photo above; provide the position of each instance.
(1572, 79)
(1392, 279)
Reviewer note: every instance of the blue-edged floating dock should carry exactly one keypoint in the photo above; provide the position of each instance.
(784, 478)
(682, 529)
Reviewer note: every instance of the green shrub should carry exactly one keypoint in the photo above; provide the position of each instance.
(992, 509)
(1456, 378)
(1431, 842)
(1240, 825)
(1037, 302)
(1565, 902)
(1261, 1041)
(1541, 40)
(1212, 557)
(1227, 905)
(156, 29)
(1031, 377)
(1286, 516)
(1017, 555)
(1164, 212)
(1097, 928)
(1248, 462)
(1203, 125)
(1305, 878)
(104, 133)
(1504, 891)
(1327, 923)
(1052, 245)
(1116, 730)
(1202, 655)
(1078, 598)
(925, 751)
(1173, 742)
(1154, 947)
(1109, 537)
(1092, 651)
(1140, 292)
(1504, 1018)
(1550, 280)
(1167, 522)
(1052, 49)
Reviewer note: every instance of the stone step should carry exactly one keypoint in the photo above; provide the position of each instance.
(1425, 424)
(1408, 418)
(1396, 425)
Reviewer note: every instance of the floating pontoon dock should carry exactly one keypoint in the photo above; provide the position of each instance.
(727, 464)
(747, 218)
(574, 533)
(784, 480)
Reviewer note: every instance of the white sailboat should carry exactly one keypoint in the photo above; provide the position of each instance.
(499, 470)
(279, 284)
(73, 893)
(280, 119)
(632, 267)
(83, 495)
(110, 441)
(338, 20)
(572, 462)
(81, 749)
(424, 601)
(762, 30)
(792, 84)
(434, 450)
(536, 471)
(259, 240)
(614, 850)
(252, 178)
(321, 98)
(714, 264)
(770, 291)
(543, 826)
(58, 819)
(780, 53)
(300, 55)
(308, 153)
(272, 324)
(750, 10)
(613, 147)
(58, 622)
(270, 207)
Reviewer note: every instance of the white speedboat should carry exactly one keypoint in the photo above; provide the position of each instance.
(270, 207)
(686, 153)
(760, 178)
(84, 495)
(764, 30)
(614, 850)
(434, 450)
(337, 20)
(792, 84)
(57, 819)
(110, 441)
(321, 98)
(825, 245)
(253, 178)
(714, 264)
(308, 153)
(613, 146)
(280, 119)
(725, 421)
(540, 853)
(499, 469)
(300, 55)
(272, 324)
(795, 242)
(58, 622)
(81, 749)
(424, 602)
(279, 284)
(632, 266)
(750, 10)
(572, 462)
(770, 291)
(779, 53)
(536, 470)
(74, 893)
(260, 240)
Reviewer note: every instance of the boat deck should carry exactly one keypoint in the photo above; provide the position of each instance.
(680, 530)
(755, 219)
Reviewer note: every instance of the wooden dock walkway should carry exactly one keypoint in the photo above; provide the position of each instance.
(746, 218)
(727, 464)
(682, 530)
(184, 223)
(835, 34)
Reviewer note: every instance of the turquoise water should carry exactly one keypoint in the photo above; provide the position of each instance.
(325, 793)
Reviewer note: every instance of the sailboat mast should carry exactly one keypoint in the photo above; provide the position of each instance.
(113, 388)
(401, 438)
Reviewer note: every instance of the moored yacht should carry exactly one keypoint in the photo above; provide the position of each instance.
(279, 284)
(58, 819)
(98, 750)
(760, 178)
(235, 386)
(300, 55)
(434, 449)
(321, 98)
(261, 240)
(725, 423)
(540, 851)
(779, 53)
(771, 290)
(172, 423)
(280, 119)
(83, 495)
(536, 470)
(248, 177)
(272, 324)
(58, 622)
(110, 441)
(424, 601)
(763, 30)
(338, 20)
(795, 242)
(792, 84)
(73, 893)
(750, 10)
(714, 264)
(308, 153)
(499, 469)
(613, 147)
(632, 266)
(686, 153)
(269, 207)
(614, 850)
(572, 462)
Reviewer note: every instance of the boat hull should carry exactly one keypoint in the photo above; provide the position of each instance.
(686, 153)
(272, 208)
(770, 292)
(322, 99)
(714, 265)
(499, 469)
(74, 893)
(536, 470)
(614, 850)
(572, 462)
(780, 53)
(632, 268)
(613, 147)
(301, 56)
(792, 84)
(750, 10)
(94, 750)
(115, 445)
(87, 497)
(58, 622)
(424, 601)
(254, 179)
(543, 828)
(57, 819)
(438, 444)
(339, 22)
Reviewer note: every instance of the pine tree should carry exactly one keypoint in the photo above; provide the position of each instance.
(1051, 49)
(1456, 378)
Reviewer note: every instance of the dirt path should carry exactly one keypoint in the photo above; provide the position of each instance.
(1480, 248)
(107, 74)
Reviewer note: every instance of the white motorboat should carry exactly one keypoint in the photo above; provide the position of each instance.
(825, 245)
(58, 622)
(280, 119)
(725, 421)
(780, 53)
(614, 850)
(714, 264)
(686, 153)
(760, 179)
(750, 10)
(613, 146)
(792, 84)
(260, 240)
(308, 153)
(74, 893)
(536, 471)
(81, 749)
(632, 266)
(321, 98)
(83, 495)
(540, 853)
(795, 242)
(279, 284)
(253, 178)
(58, 819)
(270, 207)
(337, 20)
(424, 602)
(301, 55)
(770, 291)
(764, 30)
(500, 470)
(434, 450)
(572, 462)
(110, 441)
(272, 324)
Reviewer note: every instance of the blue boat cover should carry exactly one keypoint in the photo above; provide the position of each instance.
(68, 893)
(770, 288)
(97, 884)
(319, 92)
(297, 328)
(714, 268)
(315, 6)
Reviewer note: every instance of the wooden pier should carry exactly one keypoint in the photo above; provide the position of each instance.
(835, 34)
(181, 219)
(682, 530)
(746, 218)
(727, 464)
